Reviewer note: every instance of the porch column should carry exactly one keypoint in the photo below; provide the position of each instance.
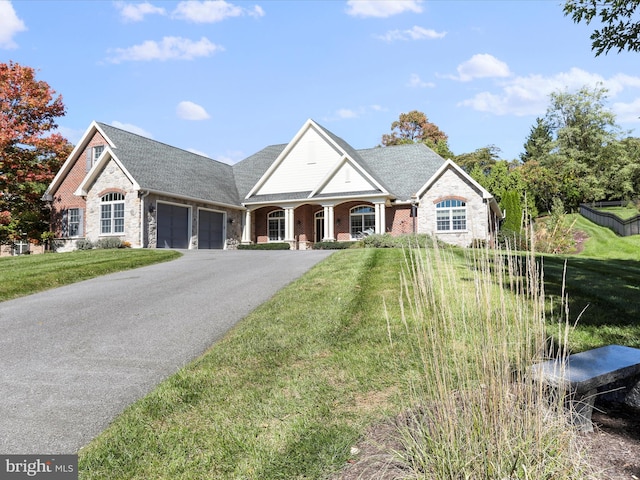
(381, 218)
(246, 228)
(329, 233)
(289, 230)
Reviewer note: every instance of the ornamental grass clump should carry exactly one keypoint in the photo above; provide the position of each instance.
(478, 320)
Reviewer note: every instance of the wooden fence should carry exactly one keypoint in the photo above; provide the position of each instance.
(624, 228)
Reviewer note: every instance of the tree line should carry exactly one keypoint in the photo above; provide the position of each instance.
(575, 153)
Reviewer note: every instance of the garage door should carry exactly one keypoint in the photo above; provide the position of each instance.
(173, 226)
(210, 229)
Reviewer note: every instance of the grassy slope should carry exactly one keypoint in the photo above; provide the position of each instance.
(284, 395)
(604, 281)
(28, 274)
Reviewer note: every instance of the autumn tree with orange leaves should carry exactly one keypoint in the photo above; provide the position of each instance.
(30, 151)
(415, 127)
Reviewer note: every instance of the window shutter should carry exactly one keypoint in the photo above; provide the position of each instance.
(89, 155)
(65, 223)
(81, 222)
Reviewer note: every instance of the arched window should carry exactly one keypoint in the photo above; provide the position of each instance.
(275, 225)
(112, 213)
(451, 214)
(363, 220)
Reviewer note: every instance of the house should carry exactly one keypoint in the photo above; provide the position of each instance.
(314, 188)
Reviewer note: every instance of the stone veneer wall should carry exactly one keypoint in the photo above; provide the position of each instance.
(113, 179)
(233, 221)
(452, 185)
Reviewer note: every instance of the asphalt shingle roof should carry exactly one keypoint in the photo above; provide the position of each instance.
(163, 168)
(402, 169)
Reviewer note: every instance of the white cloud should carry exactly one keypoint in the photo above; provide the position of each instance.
(131, 128)
(191, 111)
(346, 113)
(211, 11)
(135, 12)
(627, 112)
(416, 82)
(482, 65)
(415, 33)
(382, 8)
(170, 48)
(351, 113)
(231, 156)
(10, 25)
(530, 95)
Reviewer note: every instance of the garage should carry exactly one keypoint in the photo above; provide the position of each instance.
(210, 229)
(173, 226)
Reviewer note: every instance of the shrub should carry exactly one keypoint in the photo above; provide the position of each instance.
(84, 244)
(402, 241)
(333, 245)
(265, 246)
(553, 233)
(109, 242)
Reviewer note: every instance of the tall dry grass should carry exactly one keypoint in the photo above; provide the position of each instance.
(478, 319)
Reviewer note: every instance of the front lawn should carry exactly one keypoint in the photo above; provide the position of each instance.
(27, 274)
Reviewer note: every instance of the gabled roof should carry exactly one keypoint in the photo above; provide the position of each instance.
(394, 172)
(162, 168)
(156, 167)
(403, 167)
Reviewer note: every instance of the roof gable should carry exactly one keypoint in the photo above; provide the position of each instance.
(450, 165)
(310, 162)
(76, 155)
(346, 176)
(162, 168)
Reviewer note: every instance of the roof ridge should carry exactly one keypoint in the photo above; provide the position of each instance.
(102, 124)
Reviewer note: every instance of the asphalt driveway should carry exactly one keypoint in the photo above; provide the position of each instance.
(71, 359)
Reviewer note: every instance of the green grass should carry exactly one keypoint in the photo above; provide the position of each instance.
(285, 395)
(624, 213)
(27, 274)
(289, 390)
(604, 281)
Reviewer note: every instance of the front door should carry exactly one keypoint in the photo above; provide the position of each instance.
(319, 218)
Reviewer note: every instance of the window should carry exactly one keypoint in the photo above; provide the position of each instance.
(451, 214)
(362, 219)
(275, 221)
(97, 151)
(92, 156)
(112, 213)
(73, 223)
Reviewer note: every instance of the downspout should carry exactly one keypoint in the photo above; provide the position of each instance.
(142, 215)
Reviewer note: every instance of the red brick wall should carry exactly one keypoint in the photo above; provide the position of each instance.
(399, 220)
(63, 197)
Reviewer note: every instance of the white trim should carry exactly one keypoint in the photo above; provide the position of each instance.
(92, 175)
(265, 176)
(224, 225)
(190, 220)
(445, 166)
(74, 155)
(322, 133)
(332, 173)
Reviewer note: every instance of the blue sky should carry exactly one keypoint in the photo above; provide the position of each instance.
(226, 79)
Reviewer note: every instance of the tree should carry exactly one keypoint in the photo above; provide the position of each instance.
(483, 158)
(582, 160)
(30, 153)
(618, 31)
(539, 142)
(414, 127)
